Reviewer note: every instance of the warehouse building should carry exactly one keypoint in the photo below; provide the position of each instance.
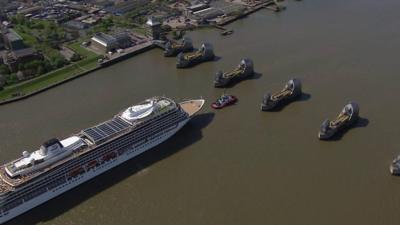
(108, 43)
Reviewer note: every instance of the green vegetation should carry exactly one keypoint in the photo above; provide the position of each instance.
(88, 62)
(42, 35)
(76, 47)
(48, 79)
(46, 37)
(112, 22)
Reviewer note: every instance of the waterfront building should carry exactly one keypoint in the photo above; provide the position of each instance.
(123, 40)
(194, 8)
(154, 28)
(13, 58)
(106, 43)
(208, 13)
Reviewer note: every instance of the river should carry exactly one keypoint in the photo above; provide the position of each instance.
(240, 165)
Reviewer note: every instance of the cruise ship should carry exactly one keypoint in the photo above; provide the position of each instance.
(59, 165)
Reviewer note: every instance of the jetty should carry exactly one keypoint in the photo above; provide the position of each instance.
(250, 10)
(127, 53)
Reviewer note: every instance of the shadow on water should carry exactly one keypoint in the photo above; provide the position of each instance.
(216, 58)
(234, 81)
(188, 135)
(255, 76)
(304, 97)
(361, 123)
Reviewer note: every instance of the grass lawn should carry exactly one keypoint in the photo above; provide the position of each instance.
(76, 47)
(50, 78)
(27, 35)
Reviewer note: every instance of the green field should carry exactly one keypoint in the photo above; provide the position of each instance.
(81, 51)
(87, 63)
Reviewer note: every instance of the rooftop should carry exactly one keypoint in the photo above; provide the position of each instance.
(104, 39)
(23, 52)
(11, 35)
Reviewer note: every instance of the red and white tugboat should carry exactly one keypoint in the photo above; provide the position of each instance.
(224, 100)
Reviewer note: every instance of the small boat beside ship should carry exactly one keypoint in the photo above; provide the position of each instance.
(347, 117)
(243, 70)
(223, 101)
(291, 91)
(174, 48)
(205, 53)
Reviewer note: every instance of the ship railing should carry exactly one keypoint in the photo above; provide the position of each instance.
(17, 181)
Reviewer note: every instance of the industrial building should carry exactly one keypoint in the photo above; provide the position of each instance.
(154, 28)
(12, 40)
(107, 43)
(17, 57)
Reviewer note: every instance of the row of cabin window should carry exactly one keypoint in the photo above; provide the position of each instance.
(82, 160)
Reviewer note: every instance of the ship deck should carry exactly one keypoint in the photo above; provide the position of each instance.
(7, 183)
(191, 107)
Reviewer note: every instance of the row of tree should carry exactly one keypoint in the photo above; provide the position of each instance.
(32, 68)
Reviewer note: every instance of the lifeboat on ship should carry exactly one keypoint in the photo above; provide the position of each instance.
(109, 156)
(75, 172)
(92, 164)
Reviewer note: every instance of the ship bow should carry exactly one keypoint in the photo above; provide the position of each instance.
(191, 107)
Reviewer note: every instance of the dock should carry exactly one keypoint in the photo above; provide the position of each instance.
(128, 52)
(272, 4)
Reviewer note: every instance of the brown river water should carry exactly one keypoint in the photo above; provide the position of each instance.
(240, 165)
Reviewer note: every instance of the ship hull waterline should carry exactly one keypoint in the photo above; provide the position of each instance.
(74, 182)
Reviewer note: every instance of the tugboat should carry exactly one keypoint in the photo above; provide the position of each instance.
(395, 166)
(347, 117)
(173, 48)
(223, 101)
(243, 70)
(205, 53)
(291, 91)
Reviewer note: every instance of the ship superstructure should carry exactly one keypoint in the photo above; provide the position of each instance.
(59, 165)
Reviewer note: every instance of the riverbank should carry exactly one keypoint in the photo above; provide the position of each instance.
(90, 63)
(128, 52)
(68, 73)
(50, 80)
(250, 10)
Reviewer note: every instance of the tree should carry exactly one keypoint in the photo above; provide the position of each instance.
(2, 81)
(75, 57)
(4, 69)
(18, 19)
(57, 62)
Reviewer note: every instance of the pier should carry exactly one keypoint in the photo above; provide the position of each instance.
(128, 52)
(251, 10)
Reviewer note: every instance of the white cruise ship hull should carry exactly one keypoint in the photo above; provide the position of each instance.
(130, 153)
